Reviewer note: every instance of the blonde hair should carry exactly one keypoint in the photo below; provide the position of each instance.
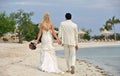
(46, 22)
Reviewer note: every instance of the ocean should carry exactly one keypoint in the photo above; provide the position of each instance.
(107, 58)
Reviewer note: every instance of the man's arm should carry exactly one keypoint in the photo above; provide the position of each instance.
(76, 37)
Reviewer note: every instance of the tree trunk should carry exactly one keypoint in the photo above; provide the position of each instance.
(20, 37)
(114, 32)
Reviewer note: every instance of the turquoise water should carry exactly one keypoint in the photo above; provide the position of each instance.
(107, 58)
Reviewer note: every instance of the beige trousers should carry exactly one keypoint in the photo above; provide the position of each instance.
(70, 54)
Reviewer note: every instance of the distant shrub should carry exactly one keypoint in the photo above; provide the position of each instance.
(13, 37)
(5, 39)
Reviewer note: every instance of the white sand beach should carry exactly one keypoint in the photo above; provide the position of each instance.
(18, 60)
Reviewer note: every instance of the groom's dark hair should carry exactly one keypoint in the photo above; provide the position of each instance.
(68, 16)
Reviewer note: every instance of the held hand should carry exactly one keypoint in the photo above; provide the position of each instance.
(35, 42)
(59, 42)
(76, 47)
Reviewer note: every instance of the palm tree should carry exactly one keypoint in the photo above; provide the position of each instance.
(111, 23)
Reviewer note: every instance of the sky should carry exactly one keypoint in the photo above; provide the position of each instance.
(87, 14)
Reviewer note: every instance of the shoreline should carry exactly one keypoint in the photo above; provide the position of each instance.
(99, 69)
(98, 44)
(90, 45)
(18, 58)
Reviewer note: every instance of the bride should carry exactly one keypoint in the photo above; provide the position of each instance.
(48, 61)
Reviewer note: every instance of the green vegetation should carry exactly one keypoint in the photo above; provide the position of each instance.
(6, 24)
(20, 22)
(25, 28)
(110, 25)
(5, 39)
(86, 35)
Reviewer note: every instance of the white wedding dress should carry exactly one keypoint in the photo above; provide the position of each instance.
(48, 61)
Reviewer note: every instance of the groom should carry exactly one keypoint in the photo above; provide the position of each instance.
(68, 33)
